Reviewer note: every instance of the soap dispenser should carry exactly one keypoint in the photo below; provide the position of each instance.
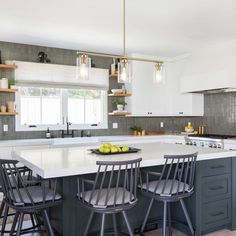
(48, 134)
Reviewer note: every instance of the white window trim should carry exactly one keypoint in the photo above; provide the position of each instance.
(19, 127)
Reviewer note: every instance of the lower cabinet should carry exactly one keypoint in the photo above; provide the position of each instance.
(213, 195)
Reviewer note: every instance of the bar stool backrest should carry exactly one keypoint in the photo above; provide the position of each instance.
(115, 182)
(177, 176)
(16, 189)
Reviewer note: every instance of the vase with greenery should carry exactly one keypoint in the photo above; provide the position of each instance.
(120, 104)
(136, 130)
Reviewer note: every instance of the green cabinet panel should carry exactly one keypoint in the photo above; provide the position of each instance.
(216, 167)
(216, 187)
(215, 214)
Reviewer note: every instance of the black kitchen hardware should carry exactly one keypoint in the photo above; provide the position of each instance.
(214, 136)
(0, 57)
(131, 150)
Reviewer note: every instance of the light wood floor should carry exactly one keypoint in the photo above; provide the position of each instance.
(177, 233)
(158, 232)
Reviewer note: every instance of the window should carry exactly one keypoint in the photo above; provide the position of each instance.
(40, 108)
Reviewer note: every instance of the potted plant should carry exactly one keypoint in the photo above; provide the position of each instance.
(120, 104)
(136, 130)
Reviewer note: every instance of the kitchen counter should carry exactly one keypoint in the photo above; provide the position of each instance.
(69, 161)
(85, 140)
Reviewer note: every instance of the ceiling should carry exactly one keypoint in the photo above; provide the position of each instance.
(165, 28)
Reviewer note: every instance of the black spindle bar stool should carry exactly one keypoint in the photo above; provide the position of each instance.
(173, 184)
(25, 198)
(113, 191)
(26, 174)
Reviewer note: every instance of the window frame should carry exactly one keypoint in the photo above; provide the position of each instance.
(64, 109)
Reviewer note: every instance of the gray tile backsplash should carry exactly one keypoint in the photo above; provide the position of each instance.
(220, 111)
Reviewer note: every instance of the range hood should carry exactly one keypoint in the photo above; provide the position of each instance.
(211, 70)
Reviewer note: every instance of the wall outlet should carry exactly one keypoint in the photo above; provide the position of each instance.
(115, 125)
(162, 124)
(5, 128)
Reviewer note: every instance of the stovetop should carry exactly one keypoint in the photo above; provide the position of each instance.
(213, 136)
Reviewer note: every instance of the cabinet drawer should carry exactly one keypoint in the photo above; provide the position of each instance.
(216, 187)
(216, 214)
(216, 167)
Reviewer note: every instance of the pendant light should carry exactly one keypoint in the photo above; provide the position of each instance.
(83, 67)
(83, 62)
(124, 66)
(159, 73)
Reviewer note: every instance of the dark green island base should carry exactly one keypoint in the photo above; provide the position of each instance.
(212, 207)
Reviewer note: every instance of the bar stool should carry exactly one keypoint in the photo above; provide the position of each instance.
(26, 198)
(4, 210)
(173, 184)
(113, 191)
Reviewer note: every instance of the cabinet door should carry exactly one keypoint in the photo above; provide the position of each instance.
(137, 104)
(159, 95)
(183, 104)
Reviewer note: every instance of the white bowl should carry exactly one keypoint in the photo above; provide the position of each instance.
(116, 91)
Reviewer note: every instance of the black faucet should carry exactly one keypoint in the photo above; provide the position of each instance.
(68, 132)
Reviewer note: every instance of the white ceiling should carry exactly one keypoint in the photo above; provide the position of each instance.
(165, 28)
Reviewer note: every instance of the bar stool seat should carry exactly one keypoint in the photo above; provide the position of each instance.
(166, 188)
(114, 196)
(36, 193)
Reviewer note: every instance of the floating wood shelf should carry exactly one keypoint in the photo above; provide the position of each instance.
(7, 90)
(113, 76)
(119, 113)
(8, 113)
(7, 67)
(119, 94)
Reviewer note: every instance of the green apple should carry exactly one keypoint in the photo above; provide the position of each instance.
(107, 150)
(125, 149)
(101, 149)
(114, 149)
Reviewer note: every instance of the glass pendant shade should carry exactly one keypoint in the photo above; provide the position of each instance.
(124, 71)
(83, 67)
(159, 73)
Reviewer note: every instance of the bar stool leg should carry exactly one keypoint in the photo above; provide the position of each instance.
(164, 219)
(2, 208)
(169, 218)
(88, 224)
(47, 223)
(187, 216)
(14, 223)
(127, 223)
(103, 224)
(114, 224)
(4, 221)
(146, 216)
(20, 222)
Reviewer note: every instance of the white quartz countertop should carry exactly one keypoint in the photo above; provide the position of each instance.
(84, 140)
(69, 161)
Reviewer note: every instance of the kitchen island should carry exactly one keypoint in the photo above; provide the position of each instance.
(211, 207)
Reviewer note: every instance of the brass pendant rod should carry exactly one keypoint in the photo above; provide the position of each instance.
(98, 54)
(124, 30)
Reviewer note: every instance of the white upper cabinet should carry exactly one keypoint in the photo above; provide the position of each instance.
(210, 69)
(58, 75)
(151, 99)
(147, 97)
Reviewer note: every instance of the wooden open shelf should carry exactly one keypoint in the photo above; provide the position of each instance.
(113, 76)
(119, 94)
(7, 67)
(119, 113)
(8, 113)
(7, 90)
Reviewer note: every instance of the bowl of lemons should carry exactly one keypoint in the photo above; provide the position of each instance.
(109, 149)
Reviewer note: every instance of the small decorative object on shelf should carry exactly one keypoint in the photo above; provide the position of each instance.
(11, 106)
(120, 104)
(3, 109)
(4, 83)
(43, 58)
